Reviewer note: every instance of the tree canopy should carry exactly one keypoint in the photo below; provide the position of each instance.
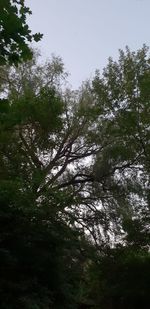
(74, 185)
(74, 178)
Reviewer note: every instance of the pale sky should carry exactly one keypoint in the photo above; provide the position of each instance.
(86, 32)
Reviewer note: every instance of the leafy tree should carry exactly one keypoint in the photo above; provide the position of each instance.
(119, 276)
(92, 145)
(40, 259)
(41, 252)
(119, 279)
(14, 32)
(75, 163)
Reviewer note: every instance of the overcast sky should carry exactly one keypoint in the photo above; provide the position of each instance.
(86, 32)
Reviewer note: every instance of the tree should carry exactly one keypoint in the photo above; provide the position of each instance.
(119, 279)
(79, 161)
(91, 146)
(123, 94)
(41, 253)
(40, 258)
(119, 276)
(14, 32)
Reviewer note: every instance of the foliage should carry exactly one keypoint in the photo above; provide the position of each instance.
(40, 260)
(120, 279)
(89, 144)
(14, 32)
(123, 94)
(41, 253)
(74, 179)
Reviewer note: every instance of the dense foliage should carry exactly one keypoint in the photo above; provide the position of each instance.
(74, 179)
(14, 32)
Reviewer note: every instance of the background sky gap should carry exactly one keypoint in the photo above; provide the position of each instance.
(86, 32)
